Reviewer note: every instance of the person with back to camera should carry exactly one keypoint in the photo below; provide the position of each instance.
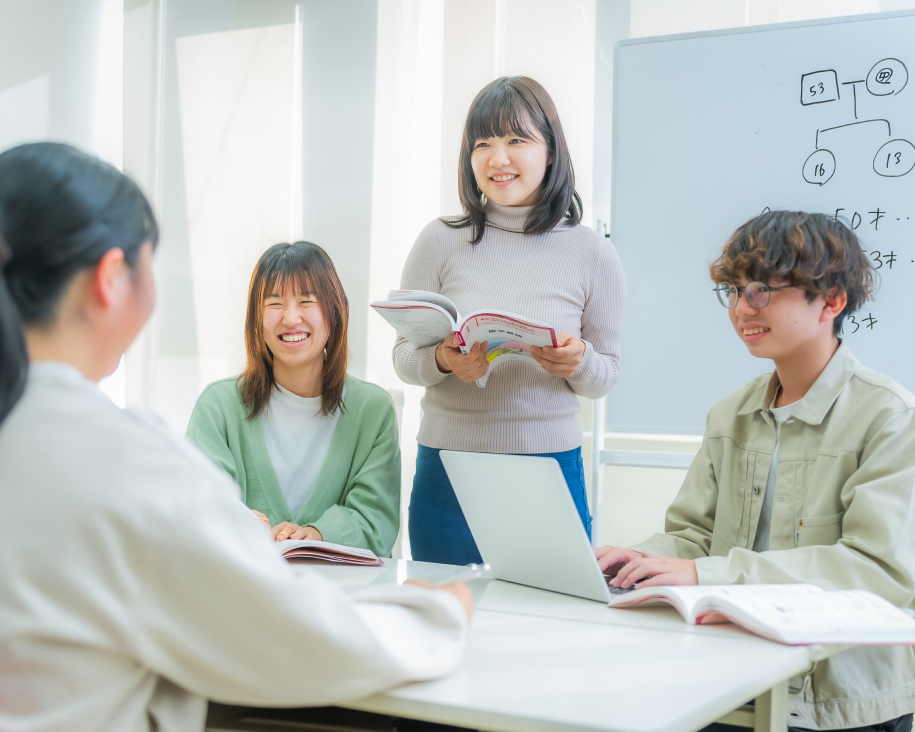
(519, 247)
(134, 584)
(806, 474)
(314, 450)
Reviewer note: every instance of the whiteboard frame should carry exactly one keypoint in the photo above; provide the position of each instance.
(864, 17)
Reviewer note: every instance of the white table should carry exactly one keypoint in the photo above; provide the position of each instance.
(537, 661)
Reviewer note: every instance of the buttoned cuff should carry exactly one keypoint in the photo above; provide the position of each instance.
(661, 545)
(712, 570)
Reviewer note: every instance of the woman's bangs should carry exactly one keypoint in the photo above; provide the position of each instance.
(499, 115)
(283, 276)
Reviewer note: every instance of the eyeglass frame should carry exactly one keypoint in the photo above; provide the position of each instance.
(768, 289)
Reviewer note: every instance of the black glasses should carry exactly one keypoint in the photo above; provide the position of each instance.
(757, 294)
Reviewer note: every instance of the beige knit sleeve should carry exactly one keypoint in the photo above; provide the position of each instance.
(601, 325)
(421, 272)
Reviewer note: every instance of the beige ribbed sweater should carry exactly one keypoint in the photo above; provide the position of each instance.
(569, 277)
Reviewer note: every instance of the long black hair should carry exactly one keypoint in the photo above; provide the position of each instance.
(517, 105)
(60, 211)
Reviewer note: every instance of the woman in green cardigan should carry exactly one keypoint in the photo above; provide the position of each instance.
(314, 450)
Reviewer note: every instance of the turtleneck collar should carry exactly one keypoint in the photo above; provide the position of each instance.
(508, 218)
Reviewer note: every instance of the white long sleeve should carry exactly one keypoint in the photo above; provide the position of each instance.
(135, 585)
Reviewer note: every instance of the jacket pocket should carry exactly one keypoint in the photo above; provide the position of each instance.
(815, 530)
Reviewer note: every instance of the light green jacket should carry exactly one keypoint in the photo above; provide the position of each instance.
(356, 499)
(843, 518)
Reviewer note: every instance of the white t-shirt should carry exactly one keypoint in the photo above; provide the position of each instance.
(761, 541)
(298, 440)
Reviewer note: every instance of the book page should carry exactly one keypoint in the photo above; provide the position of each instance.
(699, 602)
(434, 298)
(422, 324)
(804, 614)
(509, 336)
(684, 599)
(310, 548)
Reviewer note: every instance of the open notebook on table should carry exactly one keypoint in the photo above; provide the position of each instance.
(327, 552)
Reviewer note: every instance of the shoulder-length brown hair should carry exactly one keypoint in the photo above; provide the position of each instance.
(512, 105)
(305, 267)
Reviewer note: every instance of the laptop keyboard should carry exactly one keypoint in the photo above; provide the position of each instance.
(618, 590)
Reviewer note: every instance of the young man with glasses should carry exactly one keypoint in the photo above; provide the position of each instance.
(806, 474)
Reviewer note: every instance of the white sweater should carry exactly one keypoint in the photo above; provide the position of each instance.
(569, 277)
(134, 584)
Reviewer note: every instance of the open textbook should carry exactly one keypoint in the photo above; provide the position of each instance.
(328, 552)
(427, 318)
(791, 614)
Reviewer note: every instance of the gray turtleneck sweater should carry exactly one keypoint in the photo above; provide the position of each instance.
(569, 277)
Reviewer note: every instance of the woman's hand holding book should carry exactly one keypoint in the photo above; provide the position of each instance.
(466, 366)
(562, 360)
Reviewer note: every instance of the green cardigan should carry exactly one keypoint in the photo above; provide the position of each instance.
(356, 499)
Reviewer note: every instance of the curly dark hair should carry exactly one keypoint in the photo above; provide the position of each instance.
(815, 252)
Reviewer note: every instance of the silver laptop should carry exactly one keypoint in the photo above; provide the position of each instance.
(525, 523)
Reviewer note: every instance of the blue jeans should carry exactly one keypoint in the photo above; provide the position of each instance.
(438, 530)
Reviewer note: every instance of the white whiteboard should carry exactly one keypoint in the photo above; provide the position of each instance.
(710, 129)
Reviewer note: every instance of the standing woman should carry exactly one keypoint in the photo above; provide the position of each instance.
(519, 247)
(314, 450)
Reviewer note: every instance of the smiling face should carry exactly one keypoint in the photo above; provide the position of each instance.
(788, 326)
(294, 330)
(510, 169)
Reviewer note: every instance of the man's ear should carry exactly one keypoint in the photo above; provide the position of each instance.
(108, 277)
(833, 304)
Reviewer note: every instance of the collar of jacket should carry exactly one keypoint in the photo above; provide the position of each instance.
(817, 402)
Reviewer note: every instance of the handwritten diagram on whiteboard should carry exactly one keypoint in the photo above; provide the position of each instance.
(887, 77)
(711, 129)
